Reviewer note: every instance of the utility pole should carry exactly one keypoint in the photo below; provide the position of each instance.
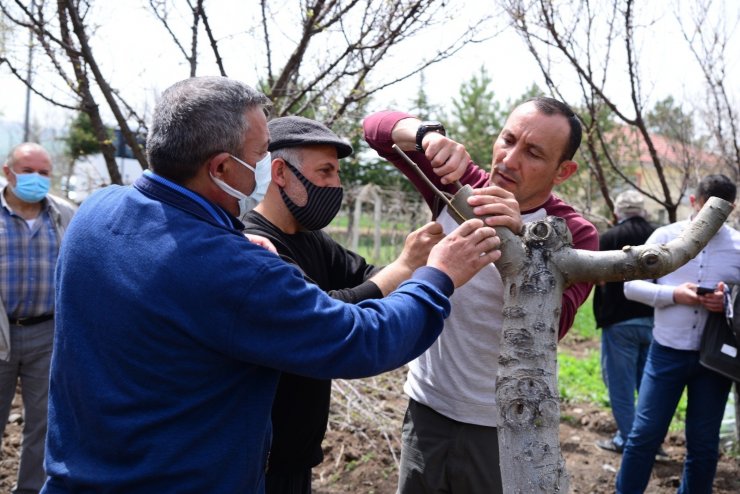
(26, 119)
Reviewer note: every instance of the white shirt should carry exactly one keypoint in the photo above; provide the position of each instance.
(456, 376)
(681, 326)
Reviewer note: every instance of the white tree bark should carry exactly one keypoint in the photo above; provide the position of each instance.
(535, 268)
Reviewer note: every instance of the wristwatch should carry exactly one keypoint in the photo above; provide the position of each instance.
(425, 128)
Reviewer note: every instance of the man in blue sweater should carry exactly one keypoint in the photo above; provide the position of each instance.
(172, 328)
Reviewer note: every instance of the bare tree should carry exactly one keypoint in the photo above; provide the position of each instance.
(161, 10)
(708, 32)
(61, 32)
(340, 45)
(338, 60)
(535, 269)
(599, 40)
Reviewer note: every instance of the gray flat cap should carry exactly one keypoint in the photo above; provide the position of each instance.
(290, 132)
(629, 202)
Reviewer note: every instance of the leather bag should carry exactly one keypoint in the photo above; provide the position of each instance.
(720, 343)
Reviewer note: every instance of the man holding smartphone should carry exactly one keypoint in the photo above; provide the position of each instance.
(682, 301)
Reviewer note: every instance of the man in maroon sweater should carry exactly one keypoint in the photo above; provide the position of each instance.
(449, 440)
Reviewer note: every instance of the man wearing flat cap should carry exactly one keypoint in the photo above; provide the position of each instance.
(303, 197)
(627, 326)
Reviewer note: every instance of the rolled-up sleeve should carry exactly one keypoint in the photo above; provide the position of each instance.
(649, 293)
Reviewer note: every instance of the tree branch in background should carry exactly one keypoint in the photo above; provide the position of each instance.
(103, 86)
(268, 45)
(354, 39)
(211, 39)
(87, 101)
(573, 32)
(193, 59)
(159, 8)
(708, 44)
(22, 78)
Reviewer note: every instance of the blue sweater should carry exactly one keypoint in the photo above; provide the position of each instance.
(171, 332)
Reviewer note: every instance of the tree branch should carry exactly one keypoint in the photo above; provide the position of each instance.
(212, 39)
(646, 261)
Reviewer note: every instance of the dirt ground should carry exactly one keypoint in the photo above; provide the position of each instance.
(362, 444)
(353, 464)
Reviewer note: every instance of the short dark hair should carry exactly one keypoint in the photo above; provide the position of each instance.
(551, 106)
(196, 119)
(716, 186)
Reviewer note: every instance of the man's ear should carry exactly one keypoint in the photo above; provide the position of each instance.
(217, 163)
(565, 170)
(279, 169)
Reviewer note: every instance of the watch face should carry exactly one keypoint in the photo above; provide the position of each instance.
(432, 126)
(425, 128)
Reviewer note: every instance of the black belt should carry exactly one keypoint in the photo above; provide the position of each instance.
(30, 321)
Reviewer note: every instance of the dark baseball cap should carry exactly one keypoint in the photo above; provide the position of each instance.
(289, 132)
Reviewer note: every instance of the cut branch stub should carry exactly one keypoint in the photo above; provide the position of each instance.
(511, 243)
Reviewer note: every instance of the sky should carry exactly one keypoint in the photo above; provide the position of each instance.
(141, 61)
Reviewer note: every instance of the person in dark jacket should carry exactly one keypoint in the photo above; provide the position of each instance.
(305, 158)
(627, 326)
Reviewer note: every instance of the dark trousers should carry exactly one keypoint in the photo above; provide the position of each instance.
(30, 356)
(285, 481)
(441, 455)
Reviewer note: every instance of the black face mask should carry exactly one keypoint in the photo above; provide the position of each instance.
(322, 203)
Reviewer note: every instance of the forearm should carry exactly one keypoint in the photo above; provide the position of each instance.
(385, 128)
(388, 278)
(404, 133)
(649, 293)
(365, 291)
(378, 129)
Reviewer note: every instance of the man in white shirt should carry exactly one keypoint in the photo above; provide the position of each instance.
(673, 360)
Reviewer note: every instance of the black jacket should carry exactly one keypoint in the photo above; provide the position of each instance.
(610, 305)
(301, 408)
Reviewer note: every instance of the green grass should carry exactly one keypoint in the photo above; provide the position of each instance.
(579, 379)
(584, 325)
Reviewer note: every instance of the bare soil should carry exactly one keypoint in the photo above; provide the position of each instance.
(362, 444)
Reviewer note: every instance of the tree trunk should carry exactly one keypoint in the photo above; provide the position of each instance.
(535, 269)
(527, 385)
(88, 103)
(105, 88)
(378, 221)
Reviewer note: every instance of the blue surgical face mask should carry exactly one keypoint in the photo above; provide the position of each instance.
(262, 173)
(31, 187)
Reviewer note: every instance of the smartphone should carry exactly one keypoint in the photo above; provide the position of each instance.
(702, 290)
